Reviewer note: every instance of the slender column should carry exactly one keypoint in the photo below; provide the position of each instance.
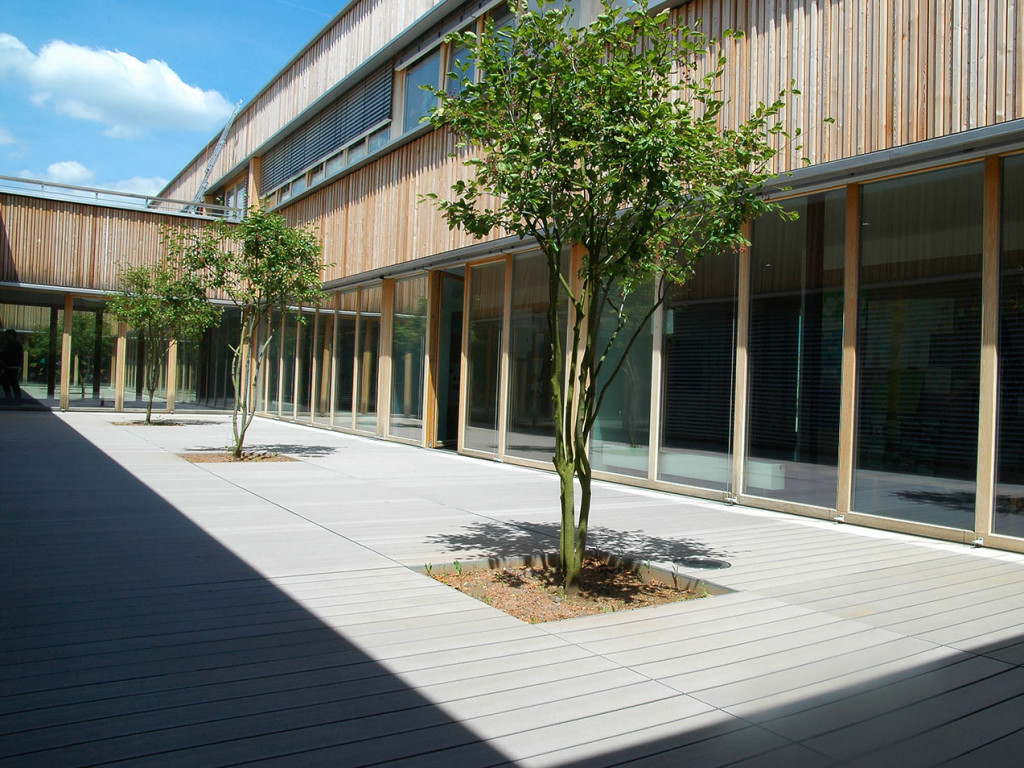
(119, 366)
(97, 355)
(296, 364)
(654, 435)
(172, 374)
(387, 327)
(279, 362)
(505, 367)
(333, 391)
(51, 355)
(739, 424)
(464, 368)
(989, 383)
(65, 352)
(848, 395)
(435, 298)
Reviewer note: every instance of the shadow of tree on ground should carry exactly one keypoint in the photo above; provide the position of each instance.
(291, 449)
(501, 540)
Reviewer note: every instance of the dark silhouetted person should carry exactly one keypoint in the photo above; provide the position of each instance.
(12, 359)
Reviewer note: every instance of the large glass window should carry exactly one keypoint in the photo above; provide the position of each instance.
(408, 348)
(214, 386)
(795, 352)
(38, 332)
(344, 358)
(418, 102)
(483, 358)
(304, 363)
(136, 351)
(461, 69)
(323, 362)
(1009, 511)
(531, 426)
(622, 430)
(918, 347)
(367, 356)
(698, 363)
(272, 362)
(289, 351)
(93, 334)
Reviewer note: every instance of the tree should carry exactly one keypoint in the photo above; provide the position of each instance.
(268, 266)
(162, 303)
(607, 140)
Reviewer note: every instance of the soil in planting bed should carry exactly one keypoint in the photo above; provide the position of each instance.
(223, 457)
(533, 593)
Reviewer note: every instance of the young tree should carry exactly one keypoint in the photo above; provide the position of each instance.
(607, 140)
(268, 266)
(162, 303)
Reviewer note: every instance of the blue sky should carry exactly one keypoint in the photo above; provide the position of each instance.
(122, 94)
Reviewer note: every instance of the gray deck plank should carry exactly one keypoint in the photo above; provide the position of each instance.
(210, 615)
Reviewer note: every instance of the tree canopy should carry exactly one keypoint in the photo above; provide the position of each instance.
(163, 303)
(608, 140)
(262, 265)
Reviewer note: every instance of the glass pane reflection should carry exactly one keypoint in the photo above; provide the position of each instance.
(408, 347)
(795, 352)
(918, 347)
(699, 364)
(622, 428)
(1009, 511)
(483, 359)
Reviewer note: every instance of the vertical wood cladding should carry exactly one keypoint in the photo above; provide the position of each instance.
(59, 243)
(888, 73)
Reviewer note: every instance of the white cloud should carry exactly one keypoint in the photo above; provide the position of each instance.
(139, 185)
(125, 94)
(6, 137)
(13, 54)
(69, 172)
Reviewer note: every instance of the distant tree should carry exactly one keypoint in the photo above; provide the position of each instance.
(261, 265)
(162, 302)
(83, 349)
(609, 139)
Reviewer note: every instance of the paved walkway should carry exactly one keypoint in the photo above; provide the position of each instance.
(156, 612)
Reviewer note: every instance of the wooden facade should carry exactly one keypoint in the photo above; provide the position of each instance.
(352, 38)
(76, 245)
(886, 74)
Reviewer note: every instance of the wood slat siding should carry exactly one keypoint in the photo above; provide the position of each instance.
(372, 218)
(889, 73)
(60, 243)
(366, 28)
(23, 318)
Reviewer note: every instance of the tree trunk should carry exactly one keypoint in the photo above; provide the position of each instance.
(149, 405)
(568, 546)
(245, 368)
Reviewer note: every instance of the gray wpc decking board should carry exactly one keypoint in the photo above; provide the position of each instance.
(263, 613)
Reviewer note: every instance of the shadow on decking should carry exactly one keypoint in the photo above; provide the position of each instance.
(961, 711)
(129, 634)
(291, 449)
(503, 540)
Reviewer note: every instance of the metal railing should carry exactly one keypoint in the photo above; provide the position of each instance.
(52, 190)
